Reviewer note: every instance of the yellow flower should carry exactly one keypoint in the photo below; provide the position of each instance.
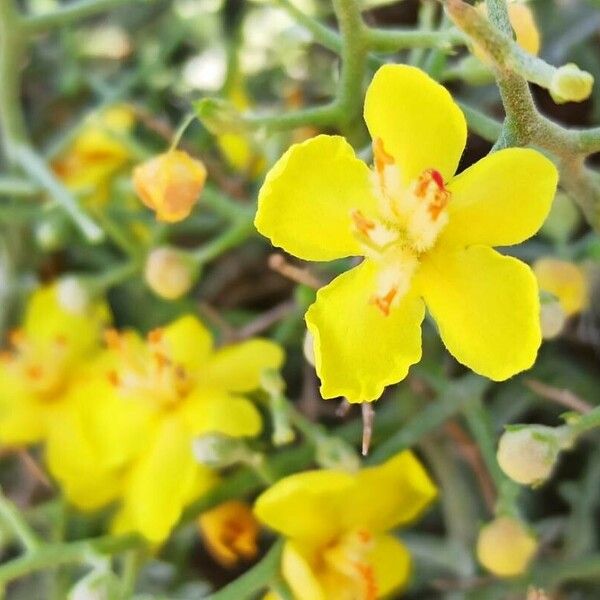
(565, 280)
(230, 531)
(170, 184)
(505, 547)
(425, 235)
(179, 388)
(336, 525)
(47, 359)
(96, 154)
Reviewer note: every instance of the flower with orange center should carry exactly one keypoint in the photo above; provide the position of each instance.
(47, 357)
(170, 184)
(336, 528)
(425, 235)
(230, 531)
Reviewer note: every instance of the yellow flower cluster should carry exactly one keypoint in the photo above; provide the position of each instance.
(117, 413)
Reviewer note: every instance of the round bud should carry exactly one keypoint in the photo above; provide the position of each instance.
(505, 547)
(72, 295)
(528, 454)
(552, 318)
(169, 273)
(570, 84)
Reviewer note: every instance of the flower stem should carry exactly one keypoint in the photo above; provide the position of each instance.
(12, 517)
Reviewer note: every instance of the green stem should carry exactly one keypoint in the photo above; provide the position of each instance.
(98, 284)
(237, 233)
(393, 40)
(254, 580)
(481, 124)
(224, 205)
(583, 423)
(318, 115)
(11, 515)
(15, 186)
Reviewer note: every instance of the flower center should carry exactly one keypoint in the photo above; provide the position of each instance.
(41, 366)
(146, 370)
(350, 570)
(409, 220)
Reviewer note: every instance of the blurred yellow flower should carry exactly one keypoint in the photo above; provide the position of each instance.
(170, 184)
(47, 358)
(336, 525)
(425, 235)
(505, 547)
(230, 531)
(178, 387)
(564, 280)
(96, 154)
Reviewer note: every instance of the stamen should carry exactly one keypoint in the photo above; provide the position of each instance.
(380, 156)
(368, 417)
(430, 187)
(384, 303)
(362, 224)
(156, 335)
(112, 339)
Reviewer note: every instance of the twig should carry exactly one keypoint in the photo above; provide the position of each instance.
(563, 397)
(278, 263)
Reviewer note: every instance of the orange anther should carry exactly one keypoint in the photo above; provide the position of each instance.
(112, 338)
(16, 337)
(384, 303)
(380, 156)
(113, 378)
(34, 371)
(362, 224)
(156, 335)
(367, 575)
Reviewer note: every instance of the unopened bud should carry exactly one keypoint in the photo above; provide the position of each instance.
(505, 547)
(552, 319)
(528, 453)
(97, 585)
(219, 116)
(272, 382)
(308, 348)
(72, 295)
(170, 184)
(565, 280)
(169, 273)
(570, 84)
(218, 451)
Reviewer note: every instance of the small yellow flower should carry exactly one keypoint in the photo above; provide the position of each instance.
(178, 388)
(230, 531)
(505, 547)
(425, 235)
(564, 280)
(336, 525)
(96, 154)
(47, 358)
(170, 184)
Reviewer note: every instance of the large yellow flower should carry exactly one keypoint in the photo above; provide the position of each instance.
(47, 359)
(156, 396)
(425, 235)
(335, 527)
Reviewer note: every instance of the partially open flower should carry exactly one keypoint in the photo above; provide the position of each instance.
(570, 84)
(170, 184)
(230, 531)
(169, 273)
(505, 547)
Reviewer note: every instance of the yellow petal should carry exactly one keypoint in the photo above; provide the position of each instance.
(316, 499)
(416, 119)
(564, 280)
(218, 412)
(358, 349)
(392, 564)
(502, 199)
(238, 367)
(22, 416)
(299, 574)
(159, 485)
(306, 201)
(486, 307)
(188, 342)
(404, 490)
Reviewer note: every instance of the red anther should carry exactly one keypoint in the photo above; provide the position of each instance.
(437, 177)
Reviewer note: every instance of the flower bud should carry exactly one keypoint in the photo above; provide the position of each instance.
(565, 280)
(528, 453)
(170, 184)
(169, 273)
(505, 547)
(72, 295)
(219, 116)
(334, 453)
(218, 451)
(308, 348)
(100, 584)
(230, 531)
(570, 84)
(552, 319)
(283, 432)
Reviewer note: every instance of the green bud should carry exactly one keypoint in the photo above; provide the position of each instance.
(218, 451)
(219, 116)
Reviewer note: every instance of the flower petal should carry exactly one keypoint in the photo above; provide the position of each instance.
(501, 200)
(316, 500)
(238, 367)
(486, 307)
(218, 412)
(188, 341)
(404, 490)
(417, 120)
(299, 574)
(358, 349)
(305, 203)
(160, 483)
(392, 564)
